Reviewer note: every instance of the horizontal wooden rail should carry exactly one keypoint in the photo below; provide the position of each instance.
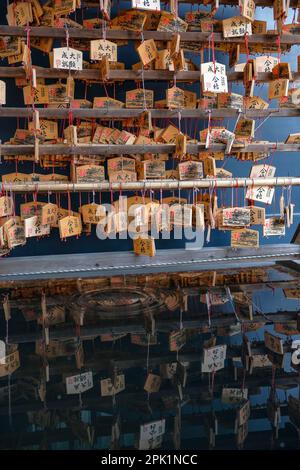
(85, 33)
(104, 149)
(151, 184)
(122, 75)
(125, 113)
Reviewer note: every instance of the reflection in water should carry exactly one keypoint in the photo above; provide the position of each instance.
(173, 361)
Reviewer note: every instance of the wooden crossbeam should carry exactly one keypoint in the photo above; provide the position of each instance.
(85, 33)
(112, 149)
(122, 75)
(124, 113)
(137, 327)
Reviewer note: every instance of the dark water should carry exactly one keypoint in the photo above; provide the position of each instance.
(129, 329)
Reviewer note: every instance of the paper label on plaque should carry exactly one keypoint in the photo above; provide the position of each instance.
(214, 82)
(150, 434)
(103, 48)
(265, 64)
(236, 26)
(261, 193)
(79, 383)
(108, 389)
(216, 68)
(244, 238)
(274, 226)
(146, 4)
(214, 358)
(34, 228)
(274, 343)
(236, 216)
(67, 58)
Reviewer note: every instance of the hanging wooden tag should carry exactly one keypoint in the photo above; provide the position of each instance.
(6, 308)
(147, 51)
(274, 226)
(34, 228)
(248, 9)
(174, 45)
(236, 26)
(214, 358)
(153, 383)
(170, 23)
(151, 434)
(19, 14)
(79, 356)
(92, 213)
(214, 82)
(163, 60)
(236, 216)
(104, 69)
(89, 173)
(69, 226)
(103, 48)
(177, 340)
(261, 193)
(255, 102)
(167, 371)
(79, 383)
(244, 238)
(190, 170)
(257, 215)
(179, 61)
(6, 206)
(2, 92)
(110, 389)
(40, 96)
(135, 98)
(49, 214)
(181, 145)
(10, 365)
(278, 88)
(146, 4)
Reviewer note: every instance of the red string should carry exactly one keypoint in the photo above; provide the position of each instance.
(278, 42)
(247, 45)
(213, 50)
